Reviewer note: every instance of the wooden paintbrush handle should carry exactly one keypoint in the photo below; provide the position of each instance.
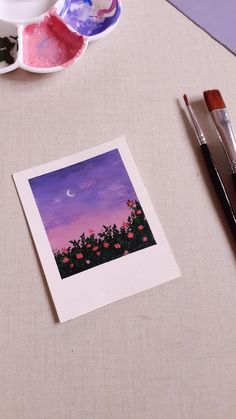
(234, 180)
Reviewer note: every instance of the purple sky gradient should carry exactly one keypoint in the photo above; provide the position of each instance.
(100, 187)
(217, 17)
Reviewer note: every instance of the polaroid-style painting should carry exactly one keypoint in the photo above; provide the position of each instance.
(91, 213)
(94, 227)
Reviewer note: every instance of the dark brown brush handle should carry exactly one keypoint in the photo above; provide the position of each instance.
(220, 188)
(234, 180)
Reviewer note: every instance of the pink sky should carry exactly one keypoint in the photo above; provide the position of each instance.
(59, 237)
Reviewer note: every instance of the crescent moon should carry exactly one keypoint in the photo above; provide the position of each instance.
(69, 193)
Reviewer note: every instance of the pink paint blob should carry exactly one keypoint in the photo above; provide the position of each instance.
(112, 7)
(50, 43)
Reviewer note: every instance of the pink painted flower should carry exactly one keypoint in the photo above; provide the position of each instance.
(91, 231)
(130, 235)
(88, 262)
(65, 260)
(79, 255)
(95, 248)
(138, 212)
(140, 228)
(125, 225)
(145, 239)
(117, 246)
(64, 250)
(98, 253)
(106, 245)
(130, 203)
(71, 265)
(88, 245)
(126, 252)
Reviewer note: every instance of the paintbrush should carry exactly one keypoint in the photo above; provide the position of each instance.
(221, 119)
(213, 171)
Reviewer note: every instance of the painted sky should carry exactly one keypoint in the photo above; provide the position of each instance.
(84, 196)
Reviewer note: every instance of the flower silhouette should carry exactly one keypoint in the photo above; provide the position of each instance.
(110, 243)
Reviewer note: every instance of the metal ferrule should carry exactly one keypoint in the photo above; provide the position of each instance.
(226, 134)
(197, 128)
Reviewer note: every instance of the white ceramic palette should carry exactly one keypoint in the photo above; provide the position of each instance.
(44, 36)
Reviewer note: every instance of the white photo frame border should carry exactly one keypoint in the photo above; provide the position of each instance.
(101, 285)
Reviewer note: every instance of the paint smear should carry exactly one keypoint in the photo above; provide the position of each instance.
(51, 44)
(88, 18)
(8, 47)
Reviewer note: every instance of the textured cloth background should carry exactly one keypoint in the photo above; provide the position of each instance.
(168, 353)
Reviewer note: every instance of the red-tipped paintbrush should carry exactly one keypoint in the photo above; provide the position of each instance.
(213, 171)
(221, 119)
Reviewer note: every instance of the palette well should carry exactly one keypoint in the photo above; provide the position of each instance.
(8, 46)
(90, 18)
(47, 36)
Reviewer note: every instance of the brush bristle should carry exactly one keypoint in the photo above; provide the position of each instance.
(186, 100)
(213, 100)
